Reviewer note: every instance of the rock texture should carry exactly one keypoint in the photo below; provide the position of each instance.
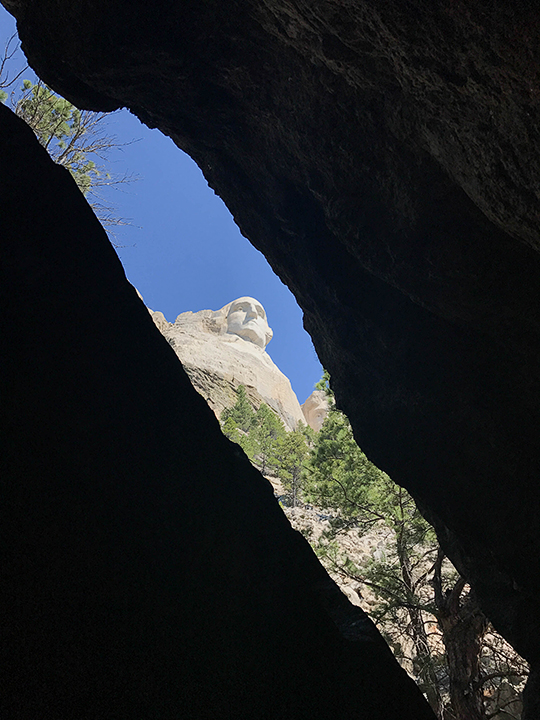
(384, 157)
(218, 361)
(147, 570)
(315, 409)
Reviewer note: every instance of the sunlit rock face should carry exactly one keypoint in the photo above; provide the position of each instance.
(385, 159)
(223, 349)
(246, 318)
(315, 409)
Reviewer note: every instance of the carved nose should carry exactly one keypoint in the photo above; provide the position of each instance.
(251, 313)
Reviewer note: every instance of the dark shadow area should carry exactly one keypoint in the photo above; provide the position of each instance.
(384, 157)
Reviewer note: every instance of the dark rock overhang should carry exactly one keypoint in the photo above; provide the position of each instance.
(147, 570)
(384, 157)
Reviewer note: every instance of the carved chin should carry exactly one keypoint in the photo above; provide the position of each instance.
(253, 336)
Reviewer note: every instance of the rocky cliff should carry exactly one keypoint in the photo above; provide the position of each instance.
(218, 361)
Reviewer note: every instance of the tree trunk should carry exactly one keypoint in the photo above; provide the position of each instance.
(462, 634)
(463, 626)
(422, 662)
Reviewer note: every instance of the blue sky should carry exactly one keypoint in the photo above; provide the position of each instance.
(183, 250)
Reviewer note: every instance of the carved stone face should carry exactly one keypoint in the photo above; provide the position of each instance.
(247, 318)
(315, 409)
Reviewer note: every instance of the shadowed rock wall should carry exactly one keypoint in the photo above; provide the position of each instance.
(384, 157)
(147, 570)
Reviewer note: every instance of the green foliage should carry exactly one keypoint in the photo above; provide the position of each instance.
(61, 128)
(324, 385)
(50, 117)
(340, 477)
(258, 433)
(265, 441)
(416, 597)
(397, 574)
(236, 423)
(230, 429)
(308, 433)
(419, 598)
(291, 450)
(241, 413)
(75, 139)
(268, 432)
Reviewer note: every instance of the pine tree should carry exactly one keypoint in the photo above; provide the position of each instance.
(241, 412)
(237, 421)
(324, 385)
(339, 475)
(268, 430)
(291, 450)
(230, 429)
(415, 587)
(76, 139)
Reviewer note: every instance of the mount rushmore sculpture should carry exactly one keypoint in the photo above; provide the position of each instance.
(223, 349)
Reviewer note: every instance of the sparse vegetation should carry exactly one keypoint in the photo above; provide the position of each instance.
(426, 610)
(76, 139)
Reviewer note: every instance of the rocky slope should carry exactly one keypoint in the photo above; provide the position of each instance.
(217, 362)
